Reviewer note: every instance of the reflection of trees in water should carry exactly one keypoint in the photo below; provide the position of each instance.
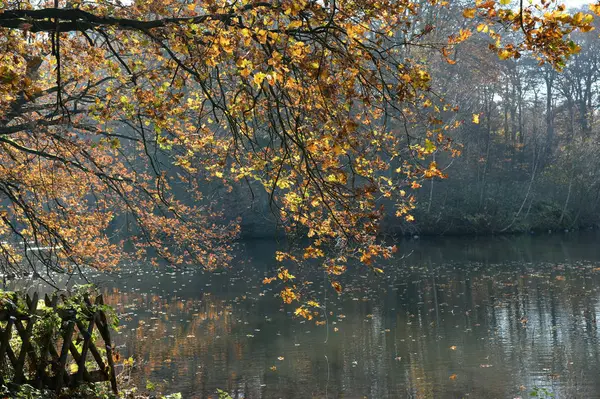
(512, 326)
(176, 336)
(521, 249)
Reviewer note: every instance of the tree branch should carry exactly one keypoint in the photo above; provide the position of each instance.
(79, 20)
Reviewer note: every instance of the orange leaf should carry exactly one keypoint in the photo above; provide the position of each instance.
(337, 286)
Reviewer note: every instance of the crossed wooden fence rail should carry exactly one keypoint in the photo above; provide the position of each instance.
(46, 361)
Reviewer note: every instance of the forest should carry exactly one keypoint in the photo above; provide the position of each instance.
(530, 156)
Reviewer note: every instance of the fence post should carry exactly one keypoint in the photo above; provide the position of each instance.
(105, 332)
(25, 338)
(62, 363)
(4, 344)
(45, 348)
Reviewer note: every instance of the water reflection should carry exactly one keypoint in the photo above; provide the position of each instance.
(486, 318)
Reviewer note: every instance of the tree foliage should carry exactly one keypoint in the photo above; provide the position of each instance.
(139, 109)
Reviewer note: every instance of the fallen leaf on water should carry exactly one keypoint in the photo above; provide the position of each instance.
(453, 377)
(273, 368)
(453, 347)
(280, 358)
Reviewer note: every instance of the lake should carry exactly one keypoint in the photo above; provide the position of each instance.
(499, 317)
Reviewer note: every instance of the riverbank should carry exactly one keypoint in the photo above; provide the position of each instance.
(482, 225)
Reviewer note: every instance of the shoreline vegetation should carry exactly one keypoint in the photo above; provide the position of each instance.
(470, 226)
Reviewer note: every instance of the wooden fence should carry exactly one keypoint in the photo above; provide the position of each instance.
(49, 347)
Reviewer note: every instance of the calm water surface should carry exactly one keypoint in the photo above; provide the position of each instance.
(479, 318)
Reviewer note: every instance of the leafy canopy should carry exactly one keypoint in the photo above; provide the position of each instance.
(139, 111)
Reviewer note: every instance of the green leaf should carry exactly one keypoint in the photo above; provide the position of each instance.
(150, 385)
(223, 394)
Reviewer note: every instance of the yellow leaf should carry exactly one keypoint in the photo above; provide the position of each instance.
(259, 77)
(285, 275)
(303, 312)
(504, 54)
(288, 295)
(476, 119)
(469, 13)
(294, 24)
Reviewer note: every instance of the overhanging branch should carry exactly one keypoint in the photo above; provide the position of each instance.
(74, 19)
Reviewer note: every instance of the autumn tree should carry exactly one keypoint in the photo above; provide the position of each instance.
(113, 108)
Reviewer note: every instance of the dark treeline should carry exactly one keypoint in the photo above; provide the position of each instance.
(532, 161)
